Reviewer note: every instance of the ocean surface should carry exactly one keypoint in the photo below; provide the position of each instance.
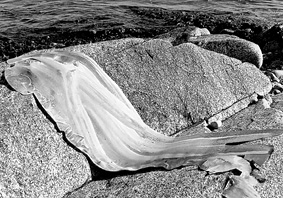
(22, 19)
(20, 15)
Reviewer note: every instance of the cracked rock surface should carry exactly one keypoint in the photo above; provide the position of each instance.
(172, 87)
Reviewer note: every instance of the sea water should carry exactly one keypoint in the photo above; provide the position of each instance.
(18, 15)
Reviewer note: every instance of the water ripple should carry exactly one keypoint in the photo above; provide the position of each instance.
(16, 16)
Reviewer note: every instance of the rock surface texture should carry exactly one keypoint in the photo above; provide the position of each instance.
(172, 87)
(232, 46)
(178, 86)
(229, 45)
(34, 159)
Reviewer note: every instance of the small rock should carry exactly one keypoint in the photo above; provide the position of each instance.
(275, 91)
(194, 33)
(265, 103)
(254, 99)
(182, 33)
(198, 32)
(273, 33)
(279, 74)
(227, 31)
(187, 33)
(278, 86)
(272, 76)
(244, 33)
(215, 125)
(268, 98)
(204, 31)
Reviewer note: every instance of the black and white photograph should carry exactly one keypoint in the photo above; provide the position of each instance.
(141, 99)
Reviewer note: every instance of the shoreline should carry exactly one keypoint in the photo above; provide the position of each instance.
(153, 22)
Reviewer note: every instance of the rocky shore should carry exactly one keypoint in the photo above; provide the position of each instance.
(153, 22)
(242, 57)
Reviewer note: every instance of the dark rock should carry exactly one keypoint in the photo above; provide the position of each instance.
(277, 65)
(271, 46)
(271, 42)
(274, 33)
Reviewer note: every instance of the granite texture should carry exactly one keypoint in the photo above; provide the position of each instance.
(172, 87)
(230, 45)
(192, 183)
(35, 161)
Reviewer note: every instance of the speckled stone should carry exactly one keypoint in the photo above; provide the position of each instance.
(189, 182)
(262, 116)
(174, 87)
(35, 162)
(123, 63)
(232, 46)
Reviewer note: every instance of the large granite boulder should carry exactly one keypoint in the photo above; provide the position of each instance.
(172, 87)
(35, 161)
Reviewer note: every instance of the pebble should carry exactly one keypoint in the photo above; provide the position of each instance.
(265, 103)
(278, 73)
(198, 32)
(272, 76)
(215, 124)
(254, 99)
(275, 92)
(204, 31)
(276, 88)
(227, 31)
